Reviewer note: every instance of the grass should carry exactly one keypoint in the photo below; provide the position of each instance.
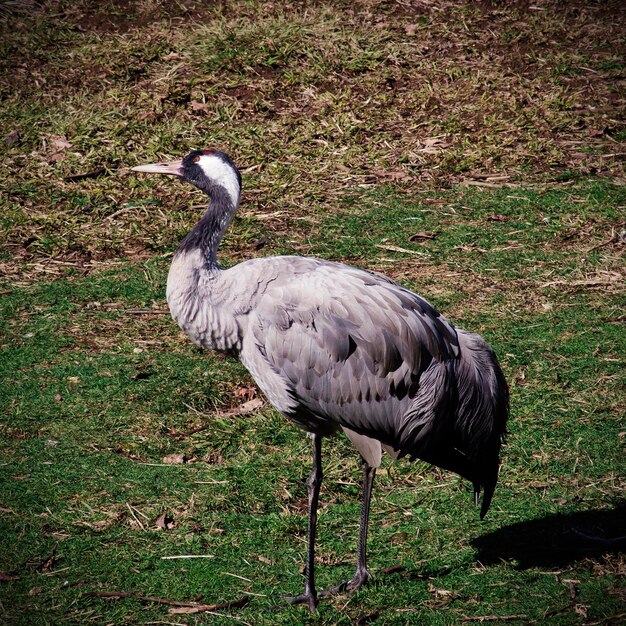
(472, 153)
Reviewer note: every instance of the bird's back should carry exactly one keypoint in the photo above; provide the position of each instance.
(332, 345)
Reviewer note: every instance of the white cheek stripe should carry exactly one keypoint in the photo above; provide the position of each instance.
(222, 173)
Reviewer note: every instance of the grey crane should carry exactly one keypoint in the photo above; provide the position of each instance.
(334, 347)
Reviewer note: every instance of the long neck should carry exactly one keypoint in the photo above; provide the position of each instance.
(208, 232)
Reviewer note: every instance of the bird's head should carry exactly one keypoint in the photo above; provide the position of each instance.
(205, 169)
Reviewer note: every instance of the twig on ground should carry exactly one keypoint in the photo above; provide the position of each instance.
(93, 174)
(46, 564)
(399, 249)
(614, 237)
(492, 618)
(189, 556)
(146, 311)
(180, 606)
(135, 517)
(604, 620)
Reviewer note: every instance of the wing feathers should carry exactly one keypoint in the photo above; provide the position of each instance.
(351, 346)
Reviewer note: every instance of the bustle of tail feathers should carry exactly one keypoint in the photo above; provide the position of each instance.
(463, 408)
(483, 411)
(467, 421)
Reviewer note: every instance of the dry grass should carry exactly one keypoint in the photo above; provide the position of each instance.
(312, 100)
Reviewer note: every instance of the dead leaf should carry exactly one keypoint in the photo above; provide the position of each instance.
(198, 106)
(245, 408)
(246, 392)
(175, 459)
(432, 145)
(498, 218)
(396, 174)
(102, 524)
(46, 563)
(6, 577)
(165, 521)
(259, 243)
(433, 141)
(59, 143)
(201, 608)
(439, 592)
(12, 138)
(417, 236)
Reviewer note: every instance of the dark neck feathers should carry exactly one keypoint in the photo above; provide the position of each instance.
(208, 232)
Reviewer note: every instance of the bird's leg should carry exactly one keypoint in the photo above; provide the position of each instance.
(314, 483)
(361, 575)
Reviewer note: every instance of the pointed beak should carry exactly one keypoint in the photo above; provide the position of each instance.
(172, 168)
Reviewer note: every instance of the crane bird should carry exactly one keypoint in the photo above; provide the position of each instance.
(335, 347)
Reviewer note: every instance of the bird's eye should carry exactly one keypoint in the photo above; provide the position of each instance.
(196, 159)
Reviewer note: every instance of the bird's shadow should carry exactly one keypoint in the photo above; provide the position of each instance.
(556, 540)
(552, 541)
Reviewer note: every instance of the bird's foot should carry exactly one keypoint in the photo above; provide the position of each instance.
(308, 598)
(350, 586)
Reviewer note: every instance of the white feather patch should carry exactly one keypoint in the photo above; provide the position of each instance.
(222, 174)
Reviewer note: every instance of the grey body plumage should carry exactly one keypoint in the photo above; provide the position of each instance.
(334, 347)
